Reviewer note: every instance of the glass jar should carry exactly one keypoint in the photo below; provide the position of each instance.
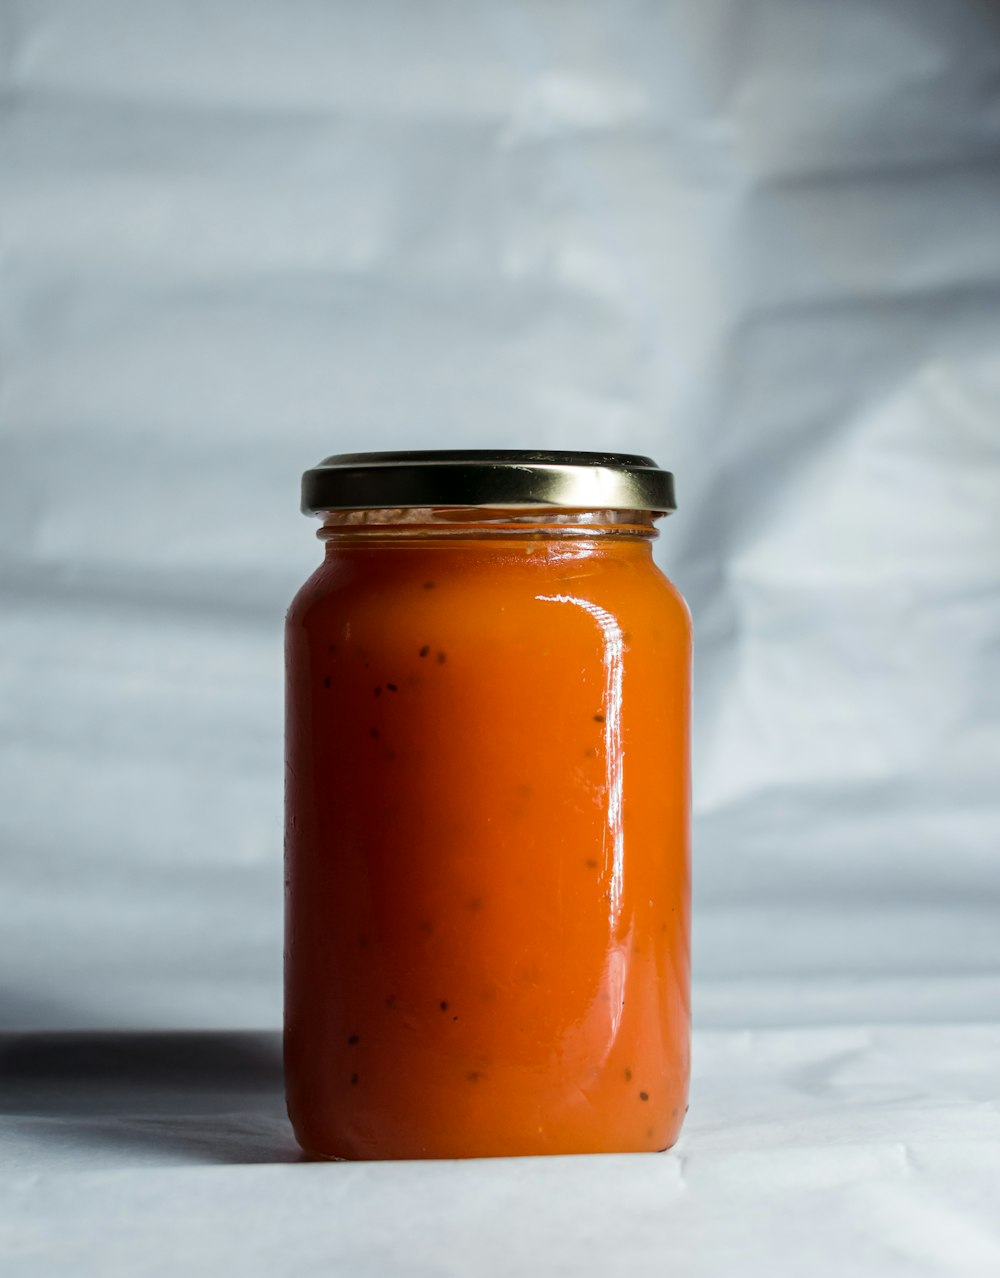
(487, 867)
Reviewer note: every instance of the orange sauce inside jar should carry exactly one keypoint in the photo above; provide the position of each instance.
(487, 933)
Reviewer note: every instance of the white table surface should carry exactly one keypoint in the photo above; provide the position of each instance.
(824, 1151)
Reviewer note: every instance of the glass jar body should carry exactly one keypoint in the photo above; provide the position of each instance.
(487, 866)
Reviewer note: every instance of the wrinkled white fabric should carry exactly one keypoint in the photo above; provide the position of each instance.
(816, 1151)
(759, 241)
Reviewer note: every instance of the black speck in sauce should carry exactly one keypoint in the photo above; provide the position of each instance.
(628, 1076)
(326, 682)
(590, 753)
(378, 691)
(442, 658)
(454, 1018)
(354, 1039)
(354, 1079)
(428, 585)
(392, 687)
(476, 903)
(598, 718)
(473, 1076)
(591, 865)
(425, 650)
(373, 733)
(644, 1095)
(649, 1133)
(443, 1005)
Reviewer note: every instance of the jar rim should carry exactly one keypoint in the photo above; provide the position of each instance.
(500, 478)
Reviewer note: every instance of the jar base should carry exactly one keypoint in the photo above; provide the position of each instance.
(311, 1154)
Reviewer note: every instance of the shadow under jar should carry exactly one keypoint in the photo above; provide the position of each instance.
(487, 863)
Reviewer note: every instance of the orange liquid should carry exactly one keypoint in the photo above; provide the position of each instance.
(487, 936)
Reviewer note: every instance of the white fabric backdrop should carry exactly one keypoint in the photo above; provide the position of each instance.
(760, 241)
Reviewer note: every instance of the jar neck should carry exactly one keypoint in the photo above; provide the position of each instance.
(477, 523)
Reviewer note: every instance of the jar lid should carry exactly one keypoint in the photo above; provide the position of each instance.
(487, 477)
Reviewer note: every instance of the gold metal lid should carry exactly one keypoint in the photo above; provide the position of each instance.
(487, 477)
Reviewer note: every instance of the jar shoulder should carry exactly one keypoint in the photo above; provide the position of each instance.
(674, 604)
(636, 591)
(319, 586)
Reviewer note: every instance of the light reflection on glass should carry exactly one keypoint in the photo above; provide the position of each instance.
(614, 835)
